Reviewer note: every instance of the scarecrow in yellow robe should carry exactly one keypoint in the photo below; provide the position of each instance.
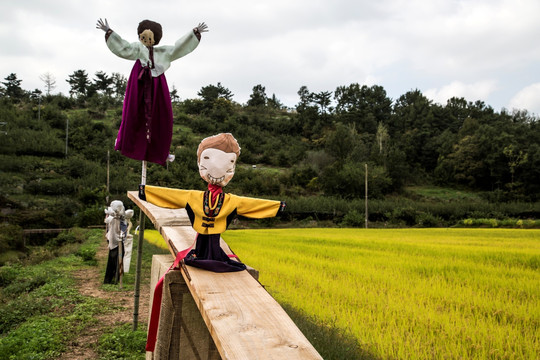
(211, 211)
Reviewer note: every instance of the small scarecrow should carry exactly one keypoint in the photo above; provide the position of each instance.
(120, 241)
(211, 211)
(146, 129)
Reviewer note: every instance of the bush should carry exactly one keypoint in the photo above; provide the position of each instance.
(92, 215)
(88, 255)
(428, 220)
(354, 219)
(11, 238)
(67, 237)
(405, 215)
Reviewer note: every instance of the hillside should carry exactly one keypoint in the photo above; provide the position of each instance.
(427, 164)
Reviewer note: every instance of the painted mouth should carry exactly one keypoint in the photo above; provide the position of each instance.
(214, 180)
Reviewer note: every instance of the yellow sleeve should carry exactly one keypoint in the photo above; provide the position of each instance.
(166, 197)
(256, 208)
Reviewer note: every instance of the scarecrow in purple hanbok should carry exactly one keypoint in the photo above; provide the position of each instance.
(146, 129)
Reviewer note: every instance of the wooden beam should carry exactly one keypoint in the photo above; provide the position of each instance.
(244, 320)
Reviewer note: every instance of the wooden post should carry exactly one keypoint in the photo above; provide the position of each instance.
(108, 161)
(137, 291)
(67, 134)
(366, 197)
(120, 270)
(182, 333)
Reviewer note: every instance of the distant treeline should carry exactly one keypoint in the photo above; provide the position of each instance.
(53, 148)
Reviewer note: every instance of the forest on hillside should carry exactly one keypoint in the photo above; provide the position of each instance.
(54, 151)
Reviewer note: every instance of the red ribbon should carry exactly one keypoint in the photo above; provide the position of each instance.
(156, 301)
(215, 190)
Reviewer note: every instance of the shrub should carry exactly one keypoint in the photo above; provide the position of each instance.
(92, 215)
(88, 255)
(405, 214)
(67, 237)
(11, 237)
(354, 219)
(428, 220)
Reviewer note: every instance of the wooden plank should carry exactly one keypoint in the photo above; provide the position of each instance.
(160, 216)
(243, 319)
(245, 322)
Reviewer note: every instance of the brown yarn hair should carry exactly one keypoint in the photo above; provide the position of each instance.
(153, 26)
(224, 142)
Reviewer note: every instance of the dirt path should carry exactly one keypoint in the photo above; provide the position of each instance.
(89, 282)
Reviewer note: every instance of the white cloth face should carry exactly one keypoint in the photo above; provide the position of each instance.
(217, 167)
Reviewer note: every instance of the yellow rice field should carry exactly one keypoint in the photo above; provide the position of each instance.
(408, 293)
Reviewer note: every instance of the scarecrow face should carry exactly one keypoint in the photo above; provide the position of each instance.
(117, 206)
(217, 167)
(147, 37)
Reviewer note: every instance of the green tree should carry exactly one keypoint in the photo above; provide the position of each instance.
(174, 95)
(211, 93)
(515, 159)
(323, 100)
(79, 84)
(362, 105)
(341, 142)
(119, 83)
(416, 125)
(308, 115)
(12, 87)
(103, 83)
(257, 97)
(274, 102)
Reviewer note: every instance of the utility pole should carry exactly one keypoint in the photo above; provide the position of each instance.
(366, 196)
(67, 134)
(136, 294)
(108, 161)
(39, 108)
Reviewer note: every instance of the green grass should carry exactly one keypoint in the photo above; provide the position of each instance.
(41, 311)
(407, 293)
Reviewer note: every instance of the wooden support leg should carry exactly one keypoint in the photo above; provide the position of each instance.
(182, 333)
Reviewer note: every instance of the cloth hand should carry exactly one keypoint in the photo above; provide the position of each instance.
(202, 27)
(102, 25)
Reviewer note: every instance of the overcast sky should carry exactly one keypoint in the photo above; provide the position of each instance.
(477, 49)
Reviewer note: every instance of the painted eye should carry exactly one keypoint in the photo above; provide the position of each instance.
(206, 158)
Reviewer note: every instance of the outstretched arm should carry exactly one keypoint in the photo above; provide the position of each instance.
(257, 208)
(103, 25)
(116, 44)
(187, 43)
(164, 197)
(202, 27)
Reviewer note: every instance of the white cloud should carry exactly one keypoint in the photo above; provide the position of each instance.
(527, 99)
(447, 46)
(480, 90)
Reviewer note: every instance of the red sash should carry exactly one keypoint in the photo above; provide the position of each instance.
(156, 301)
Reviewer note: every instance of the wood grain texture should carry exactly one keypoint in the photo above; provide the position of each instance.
(244, 321)
(160, 216)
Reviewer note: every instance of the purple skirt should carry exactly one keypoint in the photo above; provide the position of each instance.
(208, 255)
(147, 119)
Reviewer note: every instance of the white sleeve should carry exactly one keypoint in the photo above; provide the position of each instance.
(122, 48)
(183, 46)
